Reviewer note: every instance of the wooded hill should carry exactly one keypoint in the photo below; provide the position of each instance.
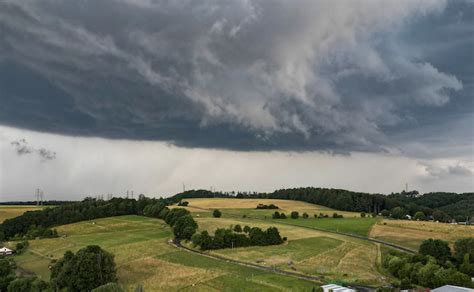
(455, 205)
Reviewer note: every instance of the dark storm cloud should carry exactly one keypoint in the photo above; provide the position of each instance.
(22, 147)
(244, 75)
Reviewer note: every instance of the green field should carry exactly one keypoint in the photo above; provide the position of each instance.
(357, 226)
(143, 256)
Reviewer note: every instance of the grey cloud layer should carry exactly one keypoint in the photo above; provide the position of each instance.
(246, 75)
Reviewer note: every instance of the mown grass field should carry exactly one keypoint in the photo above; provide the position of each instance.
(357, 226)
(10, 211)
(143, 256)
(412, 233)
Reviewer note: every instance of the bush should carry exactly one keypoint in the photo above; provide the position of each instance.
(247, 229)
(335, 215)
(21, 246)
(216, 213)
(238, 228)
(183, 203)
(419, 216)
(305, 215)
(362, 215)
(276, 215)
(282, 215)
(294, 215)
(262, 206)
(385, 213)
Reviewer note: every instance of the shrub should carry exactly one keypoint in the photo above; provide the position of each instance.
(238, 228)
(419, 216)
(216, 213)
(294, 215)
(276, 215)
(305, 215)
(282, 215)
(247, 229)
(385, 213)
(362, 215)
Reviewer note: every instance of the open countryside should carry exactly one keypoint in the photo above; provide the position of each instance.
(319, 246)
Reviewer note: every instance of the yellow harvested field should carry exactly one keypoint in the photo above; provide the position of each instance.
(412, 233)
(7, 212)
(283, 205)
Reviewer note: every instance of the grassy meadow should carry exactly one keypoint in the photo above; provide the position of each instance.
(10, 211)
(308, 251)
(412, 233)
(143, 256)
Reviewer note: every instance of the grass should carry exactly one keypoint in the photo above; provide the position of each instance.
(412, 233)
(10, 211)
(357, 226)
(143, 257)
(312, 252)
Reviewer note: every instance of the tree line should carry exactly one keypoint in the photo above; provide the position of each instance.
(457, 206)
(434, 265)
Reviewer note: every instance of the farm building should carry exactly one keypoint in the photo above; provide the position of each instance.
(5, 251)
(336, 288)
(451, 288)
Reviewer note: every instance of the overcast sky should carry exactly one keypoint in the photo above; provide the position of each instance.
(102, 97)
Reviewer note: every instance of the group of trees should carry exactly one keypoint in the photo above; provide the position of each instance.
(89, 268)
(296, 215)
(237, 237)
(401, 213)
(263, 206)
(434, 265)
(85, 270)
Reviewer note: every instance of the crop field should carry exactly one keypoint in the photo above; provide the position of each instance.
(411, 233)
(357, 226)
(312, 252)
(248, 207)
(10, 211)
(143, 256)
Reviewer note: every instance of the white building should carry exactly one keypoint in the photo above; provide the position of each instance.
(336, 288)
(5, 251)
(451, 288)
